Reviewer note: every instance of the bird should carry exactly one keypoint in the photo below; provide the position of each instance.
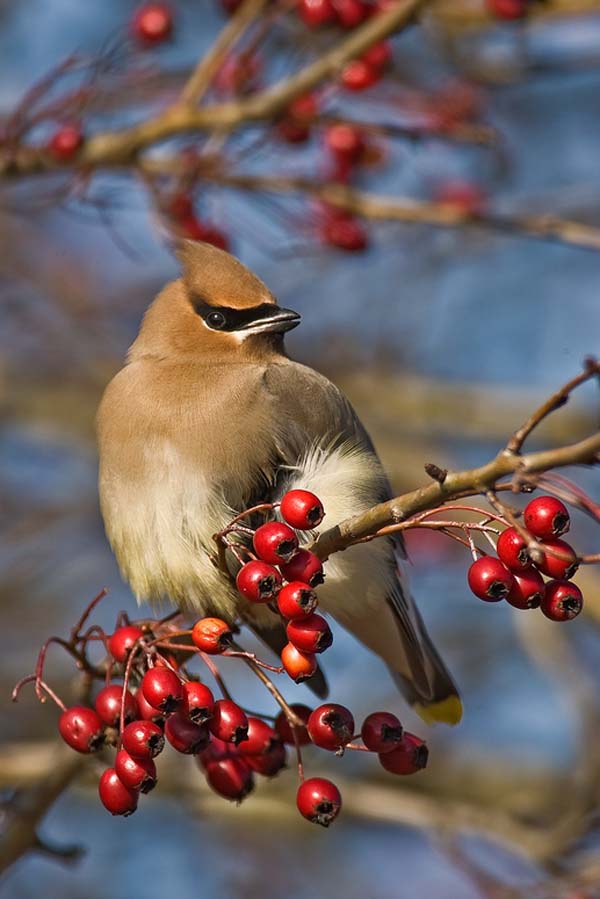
(208, 416)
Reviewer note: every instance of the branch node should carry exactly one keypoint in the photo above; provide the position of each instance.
(435, 472)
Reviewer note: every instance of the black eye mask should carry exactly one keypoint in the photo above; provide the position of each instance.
(226, 318)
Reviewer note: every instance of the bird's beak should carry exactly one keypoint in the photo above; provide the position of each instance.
(276, 322)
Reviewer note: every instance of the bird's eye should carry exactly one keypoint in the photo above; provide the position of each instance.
(215, 320)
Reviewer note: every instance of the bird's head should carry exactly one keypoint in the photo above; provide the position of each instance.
(217, 308)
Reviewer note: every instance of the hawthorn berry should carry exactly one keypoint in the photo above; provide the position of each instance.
(136, 774)
(508, 9)
(146, 711)
(358, 75)
(345, 142)
(194, 229)
(121, 642)
(108, 705)
(230, 777)
(294, 126)
(304, 566)
(378, 56)
(462, 195)
(546, 517)
(258, 581)
(489, 579)
(296, 600)
(229, 722)
(215, 751)
(527, 590)
(381, 732)
(408, 757)
(344, 232)
(301, 509)
(198, 702)
(319, 801)
(316, 13)
(299, 665)
(212, 635)
(562, 600)
(310, 634)
(66, 142)
(162, 689)
(555, 567)
(143, 739)
(331, 726)
(115, 796)
(81, 728)
(284, 728)
(512, 550)
(350, 13)
(270, 762)
(152, 24)
(184, 735)
(260, 736)
(275, 542)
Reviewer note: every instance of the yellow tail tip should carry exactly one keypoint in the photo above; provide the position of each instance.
(448, 711)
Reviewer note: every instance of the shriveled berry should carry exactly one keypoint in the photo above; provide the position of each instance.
(310, 634)
(512, 550)
(66, 142)
(564, 567)
(304, 566)
(162, 689)
(231, 778)
(381, 732)
(275, 542)
(358, 75)
(115, 796)
(258, 581)
(152, 24)
(184, 735)
(260, 736)
(302, 509)
(270, 762)
(143, 739)
(284, 728)
(212, 635)
(562, 600)
(299, 665)
(146, 711)
(331, 726)
(136, 774)
(108, 705)
(527, 590)
(228, 722)
(121, 642)
(319, 801)
(198, 702)
(489, 579)
(81, 728)
(316, 13)
(296, 600)
(546, 517)
(408, 757)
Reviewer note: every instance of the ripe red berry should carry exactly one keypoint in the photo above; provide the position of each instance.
(146, 711)
(508, 9)
(181, 206)
(162, 689)
(212, 635)
(512, 550)
(310, 634)
(194, 229)
(345, 142)
(358, 75)
(198, 702)
(350, 13)
(115, 796)
(316, 13)
(381, 732)
(260, 736)
(136, 774)
(299, 665)
(296, 600)
(230, 777)
(184, 735)
(284, 728)
(527, 590)
(546, 517)
(215, 751)
(304, 566)
(275, 542)
(123, 639)
(258, 581)
(319, 801)
(331, 726)
(344, 232)
(66, 142)
(294, 126)
(270, 762)
(152, 24)
(302, 509)
(553, 566)
(108, 705)
(489, 579)
(81, 728)
(462, 195)
(378, 56)
(228, 722)
(562, 600)
(143, 739)
(407, 758)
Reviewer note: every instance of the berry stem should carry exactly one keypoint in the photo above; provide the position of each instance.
(86, 614)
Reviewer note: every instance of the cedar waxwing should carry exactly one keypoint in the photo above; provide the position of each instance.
(210, 416)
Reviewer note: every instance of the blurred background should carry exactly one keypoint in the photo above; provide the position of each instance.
(444, 340)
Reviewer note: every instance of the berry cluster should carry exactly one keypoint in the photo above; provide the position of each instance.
(516, 574)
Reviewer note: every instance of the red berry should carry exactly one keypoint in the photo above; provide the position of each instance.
(358, 75)
(146, 711)
(310, 634)
(331, 726)
(162, 689)
(508, 9)
(378, 56)
(143, 739)
(345, 142)
(462, 195)
(123, 639)
(228, 722)
(294, 127)
(319, 801)
(136, 774)
(512, 550)
(284, 728)
(304, 566)
(194, 229)
(181, 206)
(270, 762)
(152, 24)
(231, 778)
(260, 736)
(381, 732)
(198, 702)
(258, 581)
(66, 142)
(316, 13)
(212, 635)
(553, 566)
(302, 509)
(81, 728)
(215, 751)
(184, 735)
(562, 600)
(344, 232)
(350, 13)
(490, 579)
(407, 758)
(546, 517)
(115, 796)
(275, 542)
(108, 705)
(527, 591)
(299, 665)
(296, 600)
